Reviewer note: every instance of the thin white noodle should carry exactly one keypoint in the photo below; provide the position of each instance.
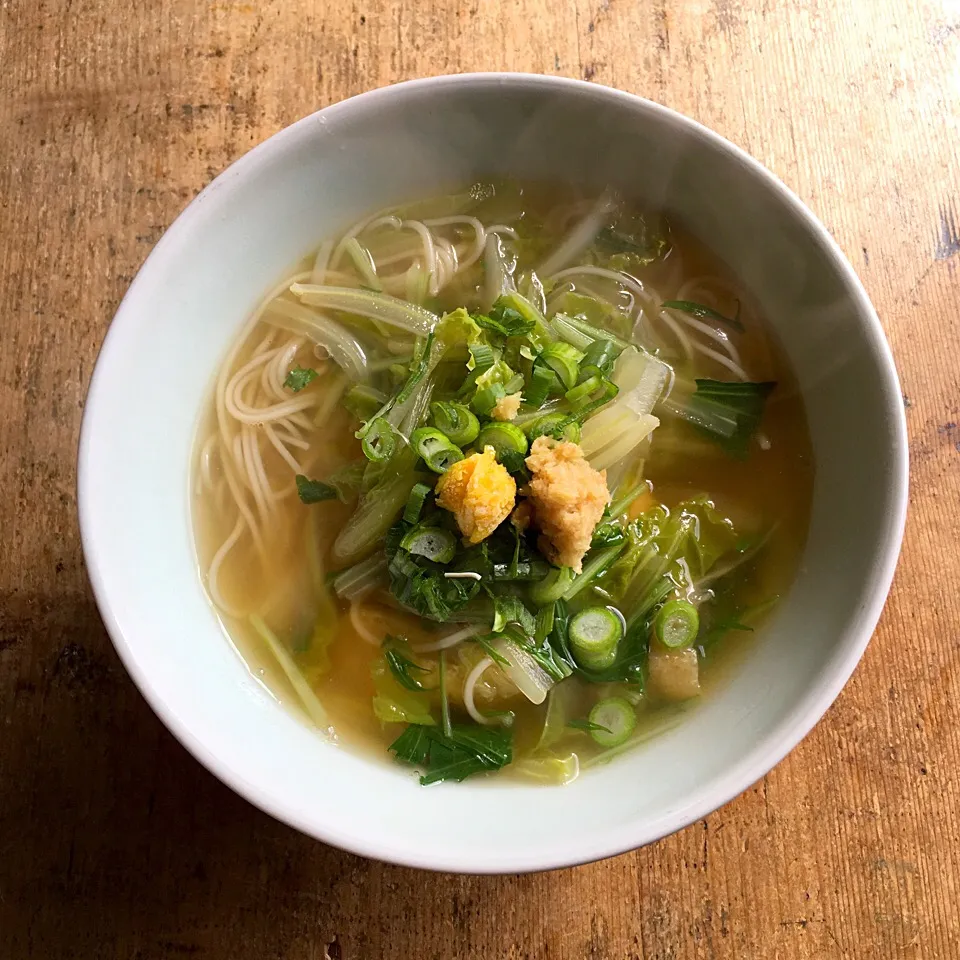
(469, 686)
(358, 228)
(503, 228)
(213, 571)
(259, 495)
(450, 640)
(281, 449)
(677, 331)
(734, 368)
(242, 505)
(429, 253)
(241, 411)
(301, 420)
(479, 231)
(362, 630)
(289, 439)
(579, 238)
(453, 261)
(463, 575)
(713, 333)
(616, 275)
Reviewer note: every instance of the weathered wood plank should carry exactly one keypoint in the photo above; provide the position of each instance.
(113, 842)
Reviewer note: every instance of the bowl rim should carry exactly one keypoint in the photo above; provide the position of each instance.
(793, 727)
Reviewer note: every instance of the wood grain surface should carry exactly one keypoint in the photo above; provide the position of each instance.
(114, 843)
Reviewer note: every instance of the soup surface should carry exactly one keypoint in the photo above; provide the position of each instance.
(501, 480)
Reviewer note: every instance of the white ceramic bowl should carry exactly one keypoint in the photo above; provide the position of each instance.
(248, 227)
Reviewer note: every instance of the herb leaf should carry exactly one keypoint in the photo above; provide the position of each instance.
(729, 413)
(314, 491)
(507, 610)
(466, 750)
(299, 377)
(401, 666)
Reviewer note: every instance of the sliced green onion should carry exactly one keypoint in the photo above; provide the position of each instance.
(435, 448)
(434, 543)
(455, 420)
(614, 720)
(380, 441)
(541, 383)
(595, 633)
(677, 624)
(482, 357)
(599, 358)
(582, 391)
(505, 439)
(556, 425)
(514, 384)
(487, 398)
(564, 360)
(414, 507)
(552, 586)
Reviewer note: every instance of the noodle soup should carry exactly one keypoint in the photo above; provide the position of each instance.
(501, 480)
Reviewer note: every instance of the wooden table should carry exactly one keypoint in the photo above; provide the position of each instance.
(114, 843)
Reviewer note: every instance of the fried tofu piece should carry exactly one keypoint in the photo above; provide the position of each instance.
(673, 674)
(479, 492)
(507, 407)
(568, 498)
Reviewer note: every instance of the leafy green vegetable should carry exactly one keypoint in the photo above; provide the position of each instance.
(466, 750)
(401, 666)
(729, 413)
(650, 567)
(504, 320)
(507, 610)
(314, 491)
(420, 585)
(634, 240)
(299, 377)
(395, 703)
(703, 312)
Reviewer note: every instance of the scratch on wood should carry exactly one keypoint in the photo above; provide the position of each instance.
(948, 243)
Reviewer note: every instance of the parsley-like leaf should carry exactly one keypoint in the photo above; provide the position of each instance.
(401, 666)
(728, 412)
(314, 491)
(299, 377)
(466, 750)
